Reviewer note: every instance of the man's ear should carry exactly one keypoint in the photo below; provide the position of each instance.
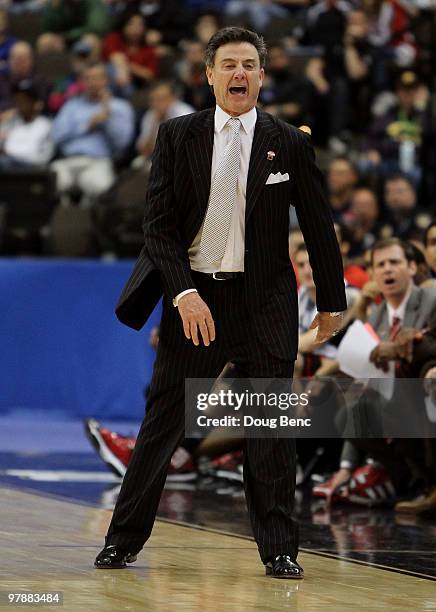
(413, 267)
(209, 75)
(261, 76)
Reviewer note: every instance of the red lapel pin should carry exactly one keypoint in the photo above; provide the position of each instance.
(270, 155)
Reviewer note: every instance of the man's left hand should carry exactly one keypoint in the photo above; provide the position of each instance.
(382, 354)
(327, 325)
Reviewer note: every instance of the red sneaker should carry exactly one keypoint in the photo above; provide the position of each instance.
(371, 485)
(327, 489)
(228, 466)
(182, 466)
(115, 450)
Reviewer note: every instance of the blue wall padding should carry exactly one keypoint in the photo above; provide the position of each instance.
(61, 345)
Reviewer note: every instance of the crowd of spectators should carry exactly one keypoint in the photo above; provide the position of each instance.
(83, 98)
(358, 72)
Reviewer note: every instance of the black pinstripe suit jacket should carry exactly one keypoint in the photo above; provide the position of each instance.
(176, 203)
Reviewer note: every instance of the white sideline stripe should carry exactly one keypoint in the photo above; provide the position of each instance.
(61, 475)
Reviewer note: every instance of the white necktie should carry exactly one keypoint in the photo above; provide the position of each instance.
(222, 198)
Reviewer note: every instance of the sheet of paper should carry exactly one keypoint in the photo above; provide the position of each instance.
(354, 350)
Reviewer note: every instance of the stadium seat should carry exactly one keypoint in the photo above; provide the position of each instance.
(28, 197)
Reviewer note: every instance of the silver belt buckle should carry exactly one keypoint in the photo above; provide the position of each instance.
(216, 278)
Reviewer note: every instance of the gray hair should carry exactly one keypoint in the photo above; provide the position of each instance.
(234, 34)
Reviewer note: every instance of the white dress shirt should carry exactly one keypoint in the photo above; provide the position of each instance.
(233, 258)
(400, 311)
(30, 142)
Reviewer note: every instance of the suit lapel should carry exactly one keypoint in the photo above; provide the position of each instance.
(199, 150)
(381, 324)
(266, 138)
(412, 308)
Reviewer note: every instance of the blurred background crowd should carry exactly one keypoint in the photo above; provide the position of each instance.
(84, 86)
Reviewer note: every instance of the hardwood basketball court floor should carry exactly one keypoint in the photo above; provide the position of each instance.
(49, 544)
(56, 498)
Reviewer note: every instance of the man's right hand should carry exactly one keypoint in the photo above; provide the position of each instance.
(196, 317)
(370, 291)
(103, 114)
(99, 118)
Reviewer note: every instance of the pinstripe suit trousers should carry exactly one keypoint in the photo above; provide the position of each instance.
(269, 464)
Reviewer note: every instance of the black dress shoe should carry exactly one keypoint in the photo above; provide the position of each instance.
(113, 557)
(282, 566)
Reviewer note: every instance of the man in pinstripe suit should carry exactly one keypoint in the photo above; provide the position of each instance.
(240, 306)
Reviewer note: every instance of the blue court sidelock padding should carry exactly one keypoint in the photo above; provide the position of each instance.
(62, 347)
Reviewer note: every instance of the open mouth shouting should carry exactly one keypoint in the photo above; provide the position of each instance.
(239, 91)
(389, 282)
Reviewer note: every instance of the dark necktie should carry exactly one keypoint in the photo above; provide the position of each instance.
(395, 328)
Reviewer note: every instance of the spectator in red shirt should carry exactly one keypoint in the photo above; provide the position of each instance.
(134, 62)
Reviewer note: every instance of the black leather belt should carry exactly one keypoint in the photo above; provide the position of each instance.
(223, 276)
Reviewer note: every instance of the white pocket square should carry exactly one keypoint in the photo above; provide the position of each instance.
(277, 178)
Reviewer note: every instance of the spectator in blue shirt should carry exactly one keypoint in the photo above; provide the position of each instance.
(90, 131)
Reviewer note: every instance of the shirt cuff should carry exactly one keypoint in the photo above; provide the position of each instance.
(180, 295)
